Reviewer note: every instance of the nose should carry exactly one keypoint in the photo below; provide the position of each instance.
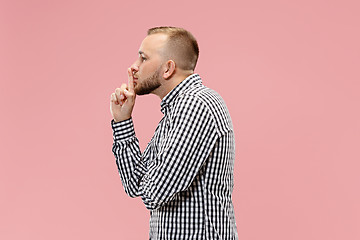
(135, 67)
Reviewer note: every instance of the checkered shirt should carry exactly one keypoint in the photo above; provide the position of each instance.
(185, 174)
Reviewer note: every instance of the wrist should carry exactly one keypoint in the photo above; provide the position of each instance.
(116, 120)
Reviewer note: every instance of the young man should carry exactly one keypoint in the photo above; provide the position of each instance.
(185, 174)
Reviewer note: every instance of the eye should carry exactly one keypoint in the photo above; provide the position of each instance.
(143, 58)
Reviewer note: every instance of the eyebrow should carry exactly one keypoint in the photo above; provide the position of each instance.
(141, 52)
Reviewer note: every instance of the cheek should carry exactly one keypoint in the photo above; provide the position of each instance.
(147, 68)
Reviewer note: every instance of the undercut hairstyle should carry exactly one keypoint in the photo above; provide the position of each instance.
(181, 46)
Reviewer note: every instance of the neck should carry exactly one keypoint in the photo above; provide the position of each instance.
(171, 83)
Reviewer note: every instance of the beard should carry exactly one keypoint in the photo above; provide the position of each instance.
(149, 84)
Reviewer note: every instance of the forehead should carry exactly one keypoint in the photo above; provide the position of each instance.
(153, 43)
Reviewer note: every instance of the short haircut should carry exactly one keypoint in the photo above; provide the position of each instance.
(181, 46)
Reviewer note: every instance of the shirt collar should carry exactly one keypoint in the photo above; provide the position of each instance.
(190, 80)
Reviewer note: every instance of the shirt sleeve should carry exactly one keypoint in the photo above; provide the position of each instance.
(128, 156)
(188, 143)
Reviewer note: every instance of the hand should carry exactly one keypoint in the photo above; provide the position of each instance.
(123, 100)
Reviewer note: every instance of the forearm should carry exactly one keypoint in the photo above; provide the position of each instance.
(128, 156)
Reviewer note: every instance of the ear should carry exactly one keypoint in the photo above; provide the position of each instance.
(170, 67)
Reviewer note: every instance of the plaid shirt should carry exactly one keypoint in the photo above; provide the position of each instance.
(185, 174)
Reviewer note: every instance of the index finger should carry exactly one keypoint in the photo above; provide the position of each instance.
(131, 80)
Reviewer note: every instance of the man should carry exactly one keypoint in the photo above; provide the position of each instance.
(185, 174)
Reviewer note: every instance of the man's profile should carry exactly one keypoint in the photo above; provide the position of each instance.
(185, 174)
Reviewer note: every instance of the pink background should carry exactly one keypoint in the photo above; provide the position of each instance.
(288, 70)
